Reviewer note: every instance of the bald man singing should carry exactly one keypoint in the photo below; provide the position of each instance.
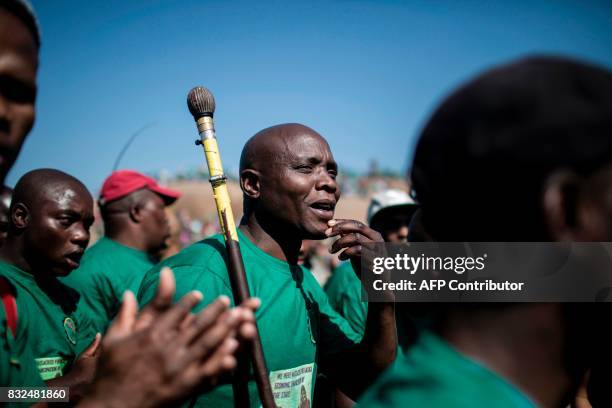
(288, 179)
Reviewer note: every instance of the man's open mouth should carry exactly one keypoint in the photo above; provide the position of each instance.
(74, 258)
(324, 209)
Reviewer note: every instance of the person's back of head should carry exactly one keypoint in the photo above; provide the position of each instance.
(515, 155)
(484, 159)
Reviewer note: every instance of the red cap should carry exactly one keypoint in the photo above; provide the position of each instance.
(123, 182)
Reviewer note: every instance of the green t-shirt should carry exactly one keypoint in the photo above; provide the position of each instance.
(15, 370)
(107, 270)
(435, 375)
(50, 324)
(297, 326)
(344, 292)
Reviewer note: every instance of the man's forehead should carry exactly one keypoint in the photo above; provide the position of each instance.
(64, 195)
(15, 37)
(282, 144)
(305, 146)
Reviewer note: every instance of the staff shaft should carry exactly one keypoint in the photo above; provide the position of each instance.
(238, 281)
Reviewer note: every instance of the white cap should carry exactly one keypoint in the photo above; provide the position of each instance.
(389, 198)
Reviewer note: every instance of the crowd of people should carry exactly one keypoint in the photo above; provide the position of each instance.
(522, 152)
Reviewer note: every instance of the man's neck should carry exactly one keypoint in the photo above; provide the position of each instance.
(272, 238)
(129, 238)
(12, 252)
(522, 344)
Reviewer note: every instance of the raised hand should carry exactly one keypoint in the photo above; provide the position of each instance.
(353, 236)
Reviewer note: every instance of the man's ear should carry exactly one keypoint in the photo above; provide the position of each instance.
(136, 213)
(250, 183)
(20, 216)
(561, 210)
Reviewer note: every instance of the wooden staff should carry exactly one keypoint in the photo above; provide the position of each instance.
(202, 106)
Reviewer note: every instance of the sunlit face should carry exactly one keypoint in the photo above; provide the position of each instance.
(18, 66)
(300, 189)
(57, 231)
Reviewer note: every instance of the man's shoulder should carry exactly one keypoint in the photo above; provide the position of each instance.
(200, 264)
(51, 289)
(19, 281)
(93, 266)
(433, 373)
(346, 273)
(101, 247)
(342, 279)
(406, 382)
(36, 300)
(394, 392)
(408, 386)
(9, 271)
(97, 259)
(102, 253)
(311, 284)
(209, 253)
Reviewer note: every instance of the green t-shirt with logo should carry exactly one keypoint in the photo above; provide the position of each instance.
(15, 370)
(344, 292)
(433, 374)
(296, 323)
(107, 270)
(51, 325)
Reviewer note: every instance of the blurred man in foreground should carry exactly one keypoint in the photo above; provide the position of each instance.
(538, 129)
(135, 231)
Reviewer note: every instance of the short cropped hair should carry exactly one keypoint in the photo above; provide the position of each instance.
(485, 154)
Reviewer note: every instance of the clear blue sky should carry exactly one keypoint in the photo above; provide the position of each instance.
(365, 74)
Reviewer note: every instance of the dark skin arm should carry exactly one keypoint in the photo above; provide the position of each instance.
(356, 369)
